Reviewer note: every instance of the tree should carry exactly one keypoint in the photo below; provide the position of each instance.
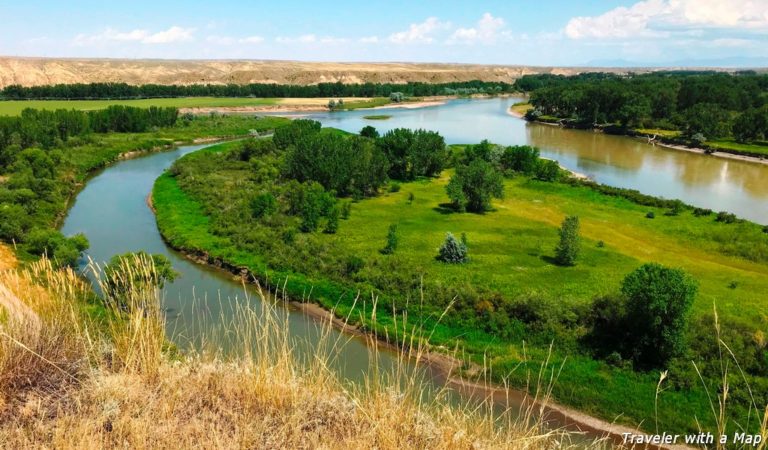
(369, 132)
(298, 129)
(392, 240)
(452, 251)
(473, 186)
(708, 119)
(263, 204)
(567, 250)
(659, 300)
(520, 158)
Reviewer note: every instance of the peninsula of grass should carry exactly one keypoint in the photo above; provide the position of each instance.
(378, 117)
(510, 301)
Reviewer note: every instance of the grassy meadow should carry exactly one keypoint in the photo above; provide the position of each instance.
(510, 250)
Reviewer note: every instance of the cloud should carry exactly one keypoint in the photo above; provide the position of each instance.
(303, 39)
(173, 34)
(251, 40)
(488, 30)
(420, 32)
(661, 18)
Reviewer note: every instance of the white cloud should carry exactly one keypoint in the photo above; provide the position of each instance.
(251, 40)
(659, 18)
(173, 34)
(304, 39)
(228, 40)
(488, 30)
(420, 32)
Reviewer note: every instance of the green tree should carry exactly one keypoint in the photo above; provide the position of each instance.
(263, 204)
(332, 225)
(568, 248)
(452, 250)
(659, 300)
(520, 158)
(369, 132)
(392, 240)
(473, 186)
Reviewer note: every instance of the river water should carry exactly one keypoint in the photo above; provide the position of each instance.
(112, 211)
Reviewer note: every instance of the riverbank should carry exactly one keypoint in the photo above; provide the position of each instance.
(734, 155)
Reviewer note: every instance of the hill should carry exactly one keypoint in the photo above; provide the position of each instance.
(42, 71)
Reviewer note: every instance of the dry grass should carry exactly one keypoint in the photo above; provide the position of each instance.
(65, 385)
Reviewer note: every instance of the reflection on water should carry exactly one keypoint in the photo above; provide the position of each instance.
(702, 180)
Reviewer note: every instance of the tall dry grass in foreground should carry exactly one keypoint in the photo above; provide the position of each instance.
(68, 383)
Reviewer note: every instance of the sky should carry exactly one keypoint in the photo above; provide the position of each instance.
(510, 32)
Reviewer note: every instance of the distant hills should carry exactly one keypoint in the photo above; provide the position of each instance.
(42, 71)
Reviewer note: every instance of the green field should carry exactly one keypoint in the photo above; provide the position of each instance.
(510, 261)
(14, 107)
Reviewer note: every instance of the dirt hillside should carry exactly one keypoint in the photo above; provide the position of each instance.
(41, 71)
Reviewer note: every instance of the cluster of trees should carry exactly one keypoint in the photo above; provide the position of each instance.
(714, 105)
(47, 129)
(36, 181)
(480, 173)
(358, 165)
(126, 91)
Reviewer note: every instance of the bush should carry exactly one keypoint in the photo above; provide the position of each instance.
(700, 212)
(263, 204)
(520, 158)
(369, 132)
(567, 250)
(650, 215)
(332, 225)
(392, 240)
(676, 209)
(353, 264)
(452, 251)
(346, 210)
(394, 187)
(726, 217)
(547, 170)
(659, 300)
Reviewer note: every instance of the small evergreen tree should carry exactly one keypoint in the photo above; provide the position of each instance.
(570, 243)
(453, 250)
(332, 225)
(392, 239)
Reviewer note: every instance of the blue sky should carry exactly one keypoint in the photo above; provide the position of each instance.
(490, 32)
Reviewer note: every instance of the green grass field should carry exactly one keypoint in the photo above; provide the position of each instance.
(510, 253)
(14, 107)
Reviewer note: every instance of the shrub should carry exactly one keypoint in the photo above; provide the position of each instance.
(411, 197)
(676, 209)
(131, 271)
(392, 240)
(346, 209)
(567, 250)
(394, 187)
(520, 158)
(659, 300)
(452, 251)
(699, 212)
(650, 215)
(726, 217)
(547, 170)
(353, 264)
(263, 204)
(332, 225)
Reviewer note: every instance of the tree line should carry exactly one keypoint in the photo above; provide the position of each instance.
(707, 105)
(110, 91)
(35, 179)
